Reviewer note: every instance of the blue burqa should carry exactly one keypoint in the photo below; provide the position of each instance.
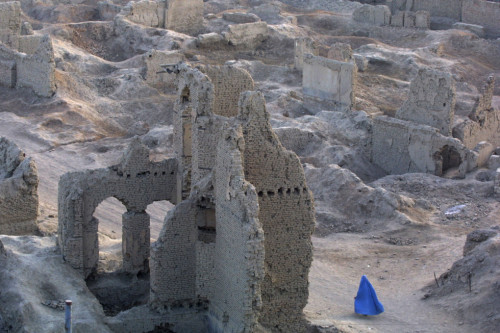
(366, 302)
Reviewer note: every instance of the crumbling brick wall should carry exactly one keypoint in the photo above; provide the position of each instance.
(228, 82)
(185, 16)
(18, 190)
(431, 100)
(10, 23)
(239, 247)
(484, 121)
(173, 259)
(37, 70)
(279, 180)
(136, 182)
(203, 96)
(400, 147)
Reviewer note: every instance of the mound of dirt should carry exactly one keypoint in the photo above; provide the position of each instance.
(471, 287)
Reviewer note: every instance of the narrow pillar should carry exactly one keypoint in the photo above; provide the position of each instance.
(135, 242)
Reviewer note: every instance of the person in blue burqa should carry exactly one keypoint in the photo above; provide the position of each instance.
(366, 301)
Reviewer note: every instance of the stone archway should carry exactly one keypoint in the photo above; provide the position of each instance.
(136, 182)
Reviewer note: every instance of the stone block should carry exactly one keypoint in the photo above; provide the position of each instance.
(431, 100)
(484, 150)
(240, 17)
(247, 35)
(212, 39)
(422, 19)
(185, 16)
(397, 20)
(329, 80)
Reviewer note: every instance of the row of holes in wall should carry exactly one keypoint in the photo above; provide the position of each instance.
(144, 174)
(280, 192)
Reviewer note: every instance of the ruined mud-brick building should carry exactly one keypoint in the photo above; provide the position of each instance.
(236, 249)
(26, 59)
(18, 190)
(419, 138)
(185, 16)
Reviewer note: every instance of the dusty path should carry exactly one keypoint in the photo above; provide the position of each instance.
(398, 274)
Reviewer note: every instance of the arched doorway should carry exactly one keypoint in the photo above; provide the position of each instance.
(113, 283)
(109, 235)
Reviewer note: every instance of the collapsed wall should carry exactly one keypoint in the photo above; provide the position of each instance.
(18, 190)
(185, 16)
(25, 60)
(431, 100)
(483, 122)
(400, 147)
(239, 248)
(136, 182)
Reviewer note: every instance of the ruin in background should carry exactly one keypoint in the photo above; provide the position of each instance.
(236, 249)
(419, 138)
(328, 84)
(26, 59)
(185, 16)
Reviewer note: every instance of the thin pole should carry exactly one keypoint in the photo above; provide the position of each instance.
(67, 324)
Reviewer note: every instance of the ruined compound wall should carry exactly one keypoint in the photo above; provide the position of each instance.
(37, 70)
(286, 212)
(228, 83)
(18, 191)
(483, 122)
(185, 16)
(32, 67)
(173, 259)
(10, 23)
(145, 12)
(239, 252)
(400, 147)
(154, 59)
(431, 100)
(206, 96)
(484, 13)
(329, 80)
(136, 182)
(194, 151)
